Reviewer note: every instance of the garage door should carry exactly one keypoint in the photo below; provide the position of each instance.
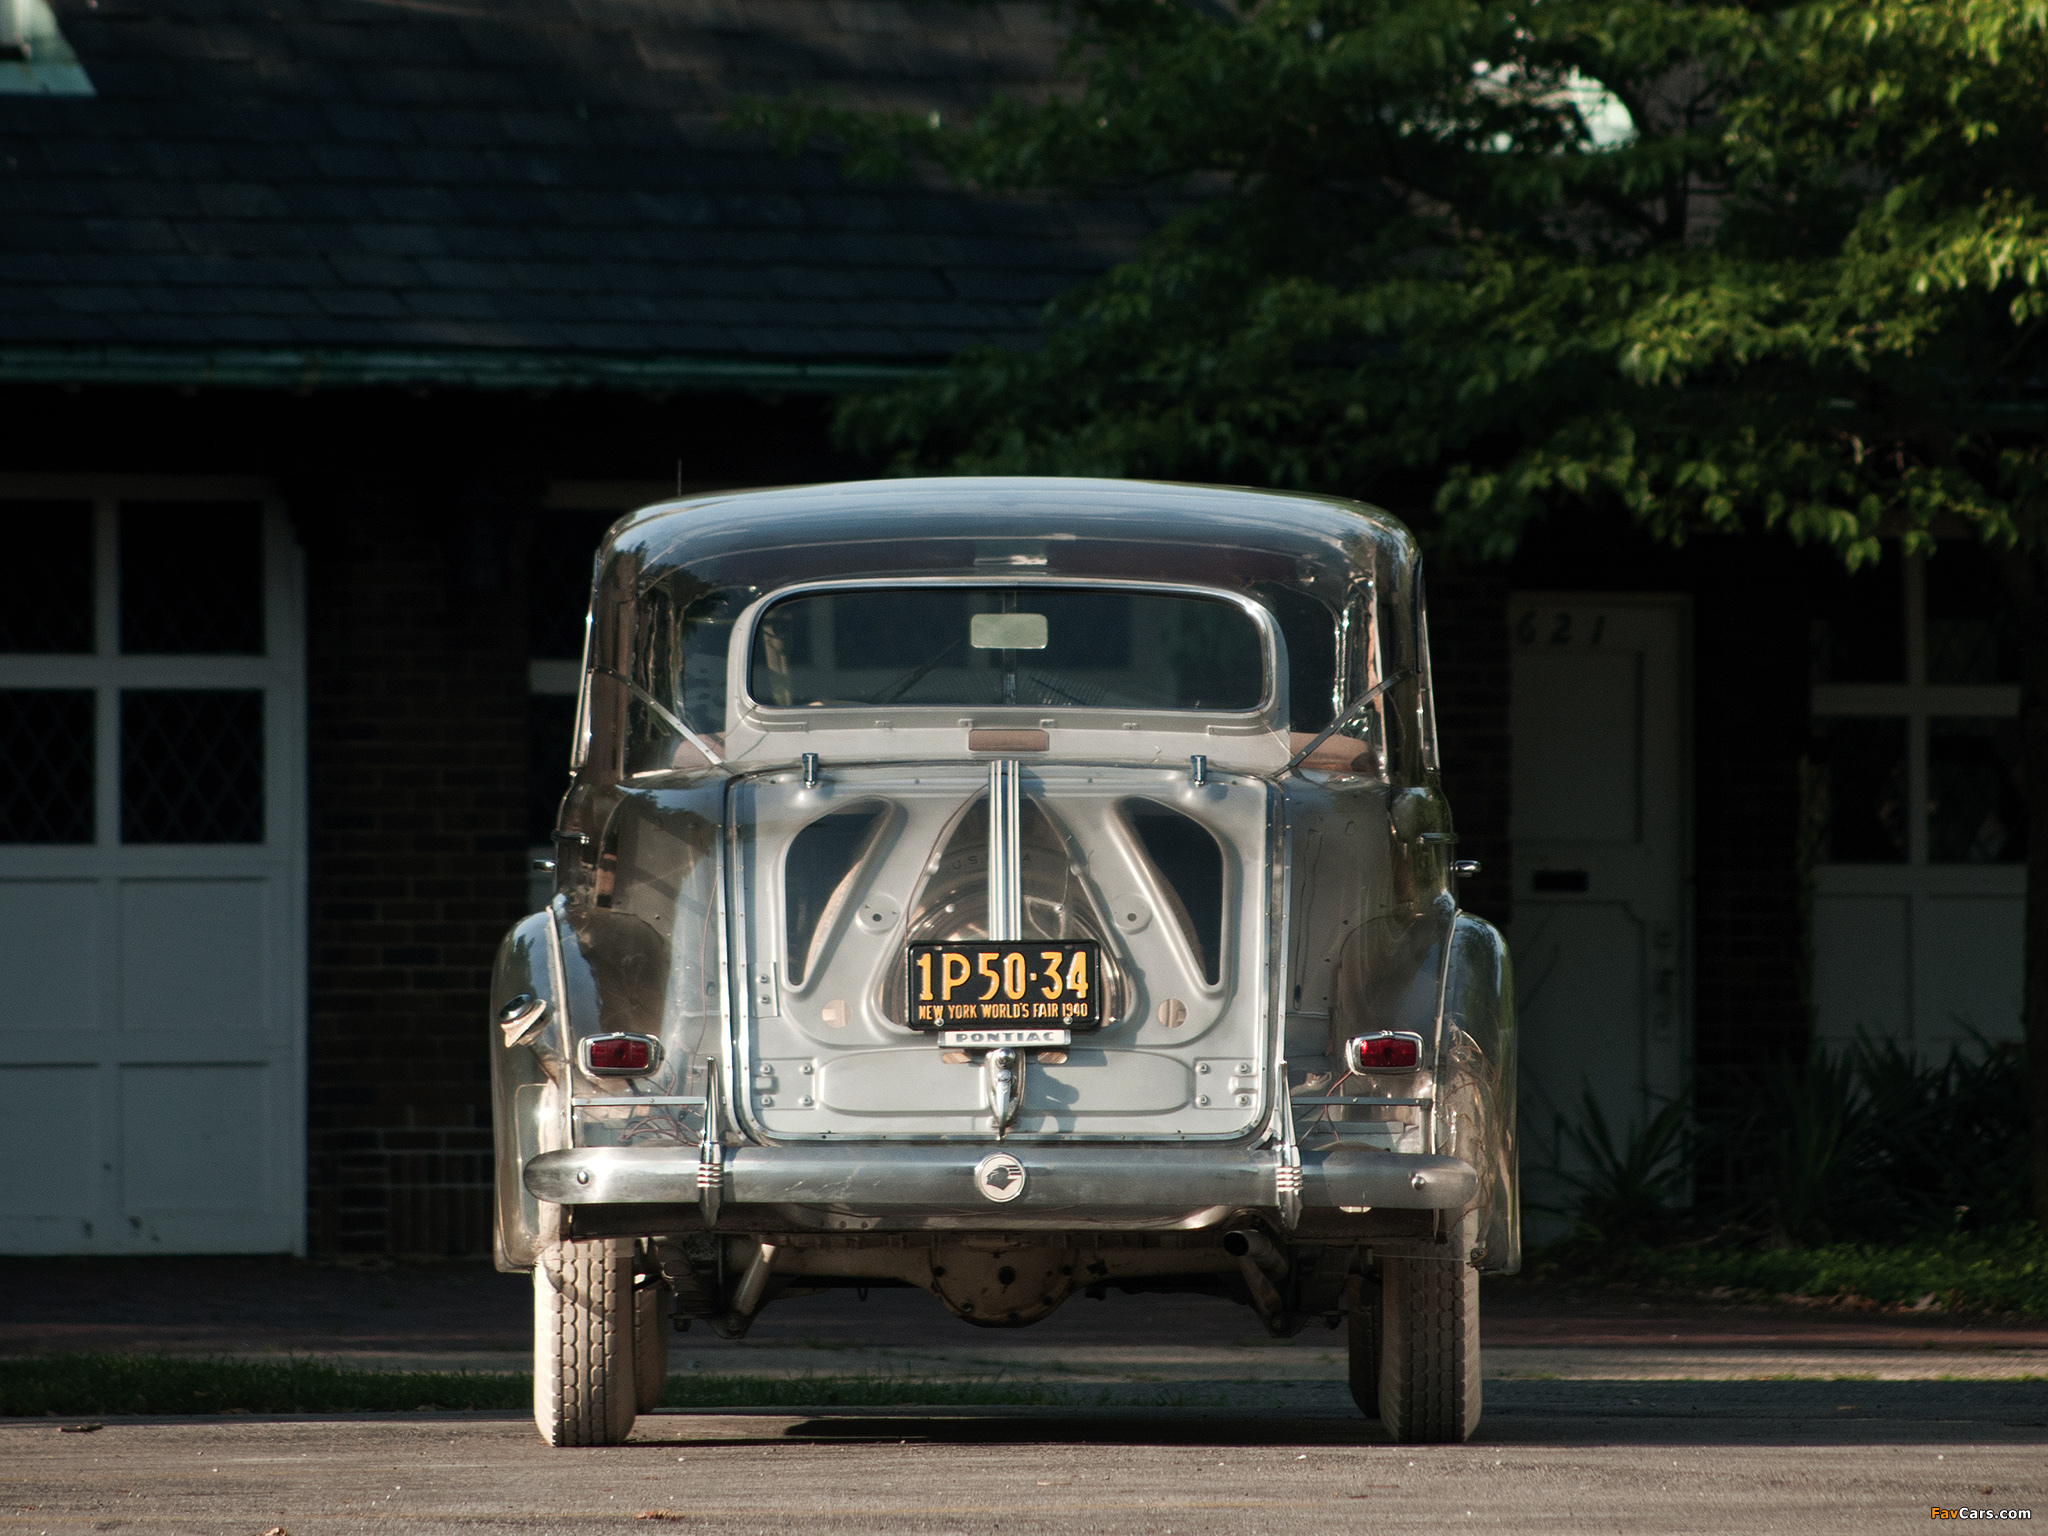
(151, 875)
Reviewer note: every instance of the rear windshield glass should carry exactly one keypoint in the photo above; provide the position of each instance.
(1087, 647)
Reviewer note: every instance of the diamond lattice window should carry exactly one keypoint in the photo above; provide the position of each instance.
(192, 766)
(46, 784)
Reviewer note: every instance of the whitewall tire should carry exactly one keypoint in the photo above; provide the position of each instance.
(583, 1344)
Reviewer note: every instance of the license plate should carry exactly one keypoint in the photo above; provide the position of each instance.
(1031, 985)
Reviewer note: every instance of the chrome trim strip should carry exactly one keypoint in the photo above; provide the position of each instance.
(1005, 852)
(735, 1042)
(1275, 919)
(1005, 1065)
(1091, 1181)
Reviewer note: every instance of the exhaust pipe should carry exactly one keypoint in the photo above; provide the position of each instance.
(746, 1297)
(1262, 1266)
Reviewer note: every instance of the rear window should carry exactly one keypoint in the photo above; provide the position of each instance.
(1088, 647)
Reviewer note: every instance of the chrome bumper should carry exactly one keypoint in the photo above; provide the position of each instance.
(1094, 1185)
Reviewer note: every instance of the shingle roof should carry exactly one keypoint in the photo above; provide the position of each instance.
(477, 188)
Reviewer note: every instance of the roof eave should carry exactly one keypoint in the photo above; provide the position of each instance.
(347, 368)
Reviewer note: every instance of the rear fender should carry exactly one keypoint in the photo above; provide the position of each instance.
(1477, 1085)
(526, 1107)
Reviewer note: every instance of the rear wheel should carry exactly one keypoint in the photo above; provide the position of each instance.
(650, 1340)
(583, 1344)
(1429, 1344)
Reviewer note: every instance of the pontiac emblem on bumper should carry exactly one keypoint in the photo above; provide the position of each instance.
(1000, 1177)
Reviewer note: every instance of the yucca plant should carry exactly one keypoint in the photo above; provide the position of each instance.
(1872, 1143)
(1628, 1186)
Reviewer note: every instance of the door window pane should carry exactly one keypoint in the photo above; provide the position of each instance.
(1976, 810)
(191, 578)
(1971, 633)
(1862, 768)
(46, 785)
(192, 766)
(47, 603)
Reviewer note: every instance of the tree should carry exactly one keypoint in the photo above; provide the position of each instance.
(1723, 267)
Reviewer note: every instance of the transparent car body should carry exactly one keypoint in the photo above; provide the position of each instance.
(739, 874)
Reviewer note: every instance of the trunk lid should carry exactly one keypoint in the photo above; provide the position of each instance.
(831, 882)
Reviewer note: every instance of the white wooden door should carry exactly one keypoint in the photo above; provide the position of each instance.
(1601, 828)
(1919, 919)
(152, 918)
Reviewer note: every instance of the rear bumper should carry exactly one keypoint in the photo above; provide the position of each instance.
(1087, 1185)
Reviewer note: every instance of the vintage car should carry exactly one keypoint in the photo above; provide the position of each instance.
(1008, 888)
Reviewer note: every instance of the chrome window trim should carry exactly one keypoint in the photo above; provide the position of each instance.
(748, 709)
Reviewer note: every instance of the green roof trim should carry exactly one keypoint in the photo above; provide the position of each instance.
(456, 368)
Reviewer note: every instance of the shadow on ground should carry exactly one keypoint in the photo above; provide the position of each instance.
(1851, 1412)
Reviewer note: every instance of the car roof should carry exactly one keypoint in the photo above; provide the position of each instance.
(997, 528)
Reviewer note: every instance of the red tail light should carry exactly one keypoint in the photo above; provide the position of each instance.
(620, 1055)
(1390, 1051)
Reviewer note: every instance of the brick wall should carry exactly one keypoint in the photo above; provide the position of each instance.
(417, 751)
(1750, 709)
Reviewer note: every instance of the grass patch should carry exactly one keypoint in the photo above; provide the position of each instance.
(2003, 1270)
(80, 1385)
(98, 1384)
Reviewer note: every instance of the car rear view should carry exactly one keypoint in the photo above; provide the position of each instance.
(1011, 889)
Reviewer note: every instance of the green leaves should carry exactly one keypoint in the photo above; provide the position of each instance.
(1806, 293)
